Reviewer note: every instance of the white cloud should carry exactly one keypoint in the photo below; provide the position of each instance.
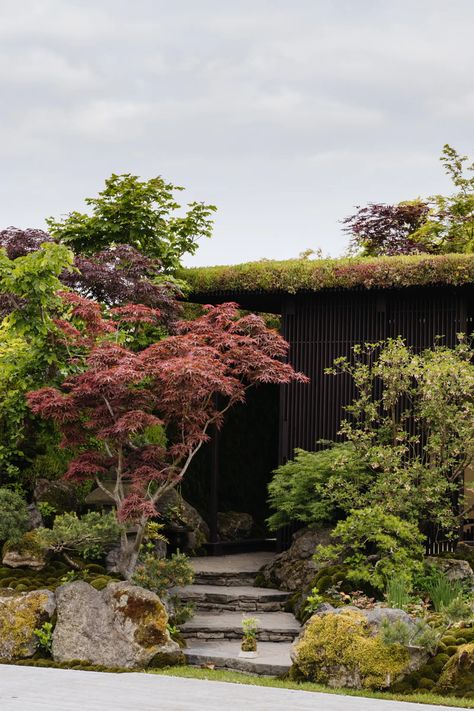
(285, 114)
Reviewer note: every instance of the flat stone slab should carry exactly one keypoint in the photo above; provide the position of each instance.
(223, 593)
(34, 689)
(236, 563)
(274, 626)
(273, 658)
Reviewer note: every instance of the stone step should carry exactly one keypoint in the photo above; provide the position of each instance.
(272, 627)
(235, 570)
(224, 579)
(273, 658)
(221, 597)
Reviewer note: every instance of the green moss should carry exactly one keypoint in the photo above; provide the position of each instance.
(457, 677)
(149, 616)
(75, 664)
(324, 583)
(167, 660)
(426, 683)
(96, 568)
(18, 618)
(449, 640)
(296, 275)
(334, 641)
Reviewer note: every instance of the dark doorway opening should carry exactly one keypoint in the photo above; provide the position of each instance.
(247, 454)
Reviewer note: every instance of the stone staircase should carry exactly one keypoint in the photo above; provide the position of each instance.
(222, 595)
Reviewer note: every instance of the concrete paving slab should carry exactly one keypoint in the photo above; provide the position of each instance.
(34, 689)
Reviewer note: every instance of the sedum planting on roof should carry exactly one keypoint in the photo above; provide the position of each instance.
(296, 275)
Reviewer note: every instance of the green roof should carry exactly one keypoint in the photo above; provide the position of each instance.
(306, 275)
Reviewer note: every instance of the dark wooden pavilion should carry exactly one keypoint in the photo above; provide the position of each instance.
(326, 307)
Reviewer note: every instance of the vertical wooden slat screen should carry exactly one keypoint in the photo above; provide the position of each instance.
(322, 327)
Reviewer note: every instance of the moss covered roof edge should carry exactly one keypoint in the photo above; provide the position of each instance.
(306, 275)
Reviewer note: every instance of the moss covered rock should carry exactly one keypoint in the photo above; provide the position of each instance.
(294, 569)
(457, 677)
(340, 650)
(20, 615)
(27, 553)
(122, 625)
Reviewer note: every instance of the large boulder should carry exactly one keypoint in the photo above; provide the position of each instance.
(173, 507)
(20, 615)
(121, 626)
(454, 569)
(342, 647)
(294, 569)
(234, 525)
(60, 494)
(457, 677)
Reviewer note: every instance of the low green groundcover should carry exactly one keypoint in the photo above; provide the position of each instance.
(295, 275)
(54, 574)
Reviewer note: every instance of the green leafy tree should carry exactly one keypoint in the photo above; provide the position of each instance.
(142, 214)
(13, 516)
(418, 471)
(450, 223)
(30, 352)
(438, 224)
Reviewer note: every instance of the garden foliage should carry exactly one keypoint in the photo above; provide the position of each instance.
(316, 488)
(141, 214)
(89, 536)
(161, 574)
(437, 225)
(184, 384)
(409, 437)
(13, 516)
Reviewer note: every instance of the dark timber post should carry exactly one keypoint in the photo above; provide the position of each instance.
(214, 493)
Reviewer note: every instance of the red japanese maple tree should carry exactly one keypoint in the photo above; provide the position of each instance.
(182, 384)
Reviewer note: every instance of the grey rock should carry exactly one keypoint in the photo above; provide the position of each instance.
(294, 569)
(24, 559)
(454, 569)
(35, 520)
(173, 506)
(234, 525)
(20, 615)
(112, 560)
(58, 493)
(121, 626)
(375, 616)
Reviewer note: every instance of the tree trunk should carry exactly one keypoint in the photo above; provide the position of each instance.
(130, 550)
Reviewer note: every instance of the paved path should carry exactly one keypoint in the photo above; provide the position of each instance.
(35, 689)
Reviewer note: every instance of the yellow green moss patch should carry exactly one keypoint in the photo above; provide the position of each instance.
(338, 649)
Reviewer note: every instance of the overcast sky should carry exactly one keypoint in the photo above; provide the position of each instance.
(283, 113)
